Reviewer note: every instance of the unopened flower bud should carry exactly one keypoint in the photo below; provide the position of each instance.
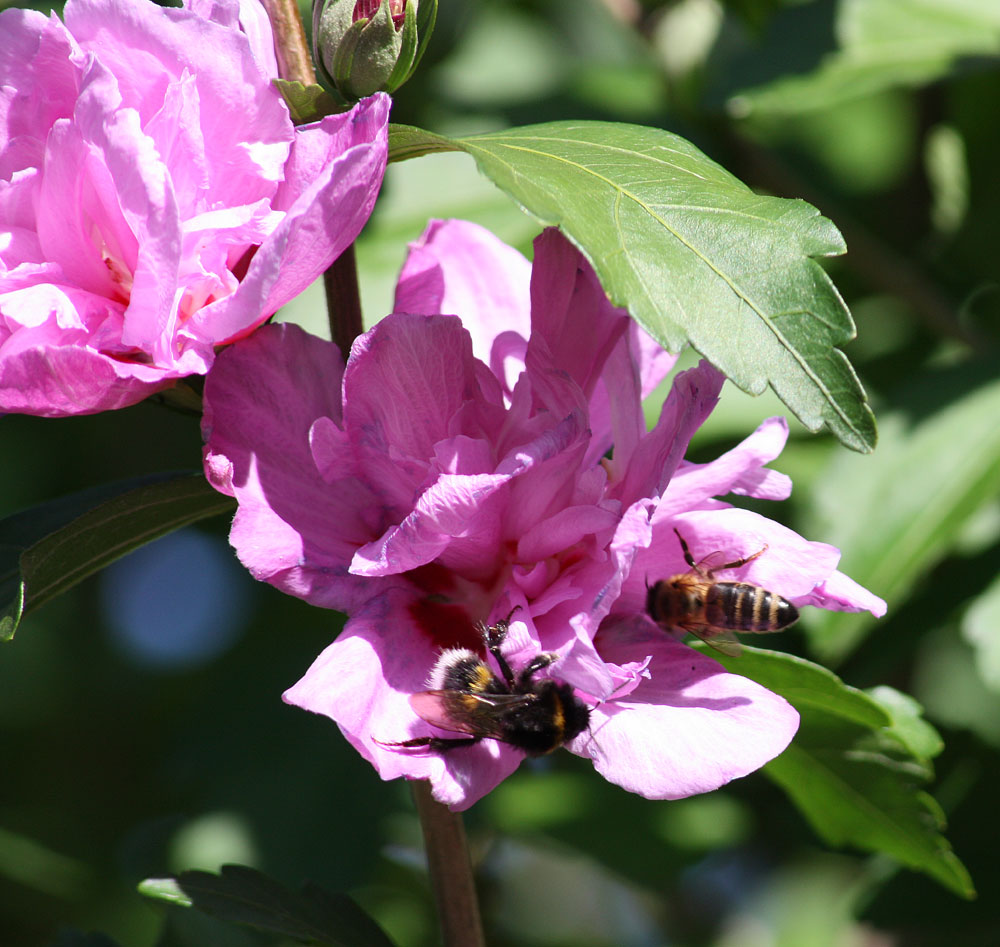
(364, 46)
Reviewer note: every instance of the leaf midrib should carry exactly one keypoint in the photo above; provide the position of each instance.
(779, 336)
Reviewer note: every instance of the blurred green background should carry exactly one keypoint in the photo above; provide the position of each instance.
(141, 726)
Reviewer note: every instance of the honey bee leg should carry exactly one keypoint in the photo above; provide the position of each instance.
(741, 562)
(688, 558)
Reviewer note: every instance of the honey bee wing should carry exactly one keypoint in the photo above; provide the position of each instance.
(720, 639)
(711, 562)
(466, 712)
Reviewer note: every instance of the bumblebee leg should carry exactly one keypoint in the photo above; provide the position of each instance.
(536, 664)
(494, 636)
(435, 744)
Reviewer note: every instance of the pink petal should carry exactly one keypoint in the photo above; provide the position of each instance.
(843, 594)
(412, 383)
(690, 728)
(451, 507)
(255, 24)
(147, 47)
(655, 363)
(740, 471)
(574, 327)
(459, 268)
(55, 382)
(40, 59)
(332, 179)
(652, 464)
(294, 529)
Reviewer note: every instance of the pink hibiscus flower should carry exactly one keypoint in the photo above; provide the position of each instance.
(155, 200)
(456, 469)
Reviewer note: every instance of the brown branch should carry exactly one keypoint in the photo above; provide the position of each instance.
(343, 301)
(343, 298)
(294, 60)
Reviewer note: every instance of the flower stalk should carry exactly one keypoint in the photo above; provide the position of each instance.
(290, 46)
(450, 869)
(340, 281)
(343, 301)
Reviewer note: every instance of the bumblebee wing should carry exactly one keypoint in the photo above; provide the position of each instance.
(465, 712)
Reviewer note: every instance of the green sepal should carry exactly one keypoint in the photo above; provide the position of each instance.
(307, 103)
(407, 55)
(343, 56)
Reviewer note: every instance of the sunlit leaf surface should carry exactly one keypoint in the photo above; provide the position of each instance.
(695, 255)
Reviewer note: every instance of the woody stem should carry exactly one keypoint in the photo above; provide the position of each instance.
(450, 870)
(343, 299)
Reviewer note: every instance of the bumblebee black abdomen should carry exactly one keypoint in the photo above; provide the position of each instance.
(739, 606)
(553, 718)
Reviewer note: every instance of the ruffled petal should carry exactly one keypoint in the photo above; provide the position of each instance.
(649, 468)
(332, 179)
(574, 327)
(458, 268)
(689, 728)
(740, 471)
(294, 529)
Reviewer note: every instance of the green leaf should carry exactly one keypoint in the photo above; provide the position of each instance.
(49, 549)
(853, 792)
(908, 724)
(245, 896)
(307, 103)
(165, 889)
(884, 44)
(854, 766)
(71, 938)
(693, 253)
(806, 686)
(981, 628)
(897, 513)
(21, 530)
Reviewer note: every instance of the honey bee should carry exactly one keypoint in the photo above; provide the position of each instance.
(536, 716)
(693, 601)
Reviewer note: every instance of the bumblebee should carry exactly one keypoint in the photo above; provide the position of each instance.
(536, 716)
(693, 601)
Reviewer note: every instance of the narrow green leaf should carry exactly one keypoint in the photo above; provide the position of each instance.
(12, 608)
(71, 938)
(426, 18)
(885, 44)
(67, 554)
(23, 529)
(981, 628)
(245, 896)
(695, 255)
(165, 889)
(898, 513)
(853, 795)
